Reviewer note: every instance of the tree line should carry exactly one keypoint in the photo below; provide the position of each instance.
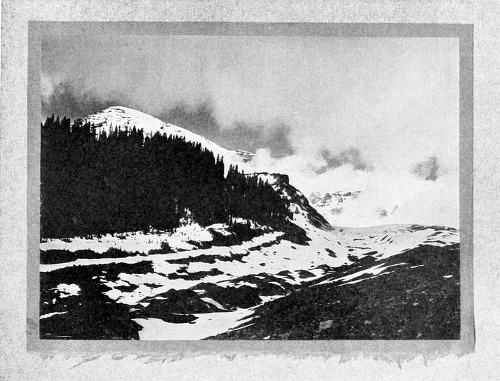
(121, 180)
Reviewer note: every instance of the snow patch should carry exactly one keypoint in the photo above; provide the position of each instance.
(204, 326)
(45, 316)
(66, 290)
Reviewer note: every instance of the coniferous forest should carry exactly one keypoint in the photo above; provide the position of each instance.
(124, 181)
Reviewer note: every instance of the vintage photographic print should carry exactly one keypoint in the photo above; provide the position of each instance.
(249, 187)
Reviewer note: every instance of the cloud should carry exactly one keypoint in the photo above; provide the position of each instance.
(428, 169)
(348, 156)
(75, 101)
(66, 99)
(279, 140)
(387, 97)
(386, 196)
(201, 119)
(252, 137)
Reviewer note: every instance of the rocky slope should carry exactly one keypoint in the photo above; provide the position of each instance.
(308, 280)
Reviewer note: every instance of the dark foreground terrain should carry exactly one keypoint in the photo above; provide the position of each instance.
(409, 303)
(242, 255)
(416, 296)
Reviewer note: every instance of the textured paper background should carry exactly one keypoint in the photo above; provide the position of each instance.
(392, 349)
(16, 363)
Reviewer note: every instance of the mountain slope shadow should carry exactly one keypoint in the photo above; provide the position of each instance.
(419, 299)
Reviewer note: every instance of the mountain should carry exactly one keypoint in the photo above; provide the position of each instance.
(332, 199)
(126, 118)
(332, 203)
(296, 277)
(129, 172)
(303, 212)
(354, 208)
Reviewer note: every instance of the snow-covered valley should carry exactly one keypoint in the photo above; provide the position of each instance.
(215, 279)
(228, 280)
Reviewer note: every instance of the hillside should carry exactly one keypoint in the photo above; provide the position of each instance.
(263, 264)
(95, 181)
(124, 117)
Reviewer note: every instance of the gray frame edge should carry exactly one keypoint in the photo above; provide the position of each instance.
(401, 349)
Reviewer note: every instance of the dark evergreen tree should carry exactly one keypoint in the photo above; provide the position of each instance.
(125, 181)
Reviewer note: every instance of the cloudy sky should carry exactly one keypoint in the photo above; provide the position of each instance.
(335, 113)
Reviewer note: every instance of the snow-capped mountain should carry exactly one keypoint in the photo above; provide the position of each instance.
(126, 118)
(355, 208)
(245, 280)
(332, 203)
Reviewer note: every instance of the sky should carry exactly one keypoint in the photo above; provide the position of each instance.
(334, 113)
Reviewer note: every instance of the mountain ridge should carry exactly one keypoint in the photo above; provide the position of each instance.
(240, 279)
(127, 118)
(124, 117)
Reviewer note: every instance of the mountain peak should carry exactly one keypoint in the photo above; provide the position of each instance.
(124, 117)
(120, 116)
